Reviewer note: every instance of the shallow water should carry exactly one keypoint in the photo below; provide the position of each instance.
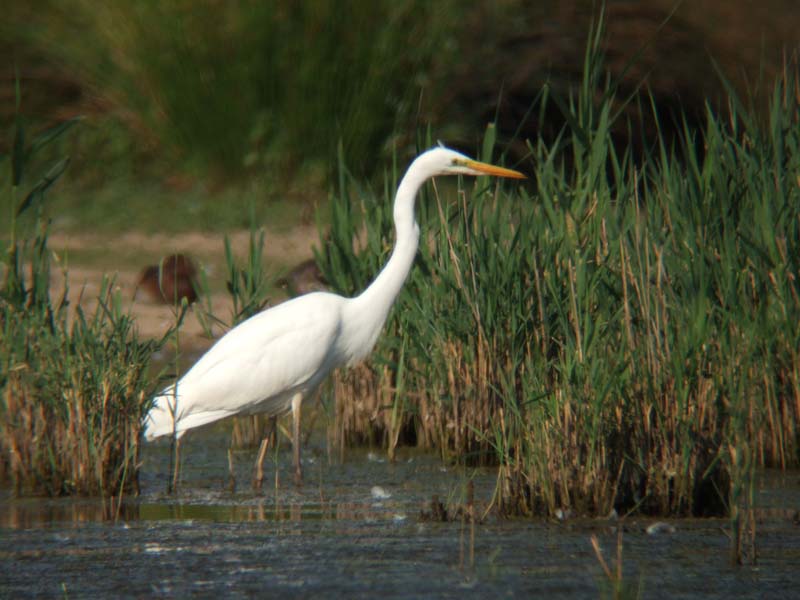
(356, 530)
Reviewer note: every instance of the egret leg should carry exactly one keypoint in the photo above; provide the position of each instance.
(171, 467)
(258, 475)
(176, 473)
(297, 400)
(231, 474)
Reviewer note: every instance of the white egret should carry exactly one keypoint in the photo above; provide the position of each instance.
(271, 362)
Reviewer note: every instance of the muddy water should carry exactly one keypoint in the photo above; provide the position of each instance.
(357, 529)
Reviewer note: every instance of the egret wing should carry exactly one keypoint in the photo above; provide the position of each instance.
(285, 349)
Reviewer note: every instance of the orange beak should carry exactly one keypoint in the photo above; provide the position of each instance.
(493, 170)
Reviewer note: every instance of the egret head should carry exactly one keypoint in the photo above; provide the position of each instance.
(443, 161)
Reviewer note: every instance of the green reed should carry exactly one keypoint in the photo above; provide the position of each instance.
(616, 334)
(73, 384)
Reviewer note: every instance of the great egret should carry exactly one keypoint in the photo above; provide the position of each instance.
(270, 362)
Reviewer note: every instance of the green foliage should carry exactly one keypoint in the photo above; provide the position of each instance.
(230, 87)
(248, 284)
(621, 335)
(73, 386)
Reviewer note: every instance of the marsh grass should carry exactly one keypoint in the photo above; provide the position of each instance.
(619, 334)
(73, 386)
(73, 398)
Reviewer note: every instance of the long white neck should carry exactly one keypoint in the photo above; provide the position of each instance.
(371, 308)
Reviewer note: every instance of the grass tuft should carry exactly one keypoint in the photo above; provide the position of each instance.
(619, 335)
(73, 386)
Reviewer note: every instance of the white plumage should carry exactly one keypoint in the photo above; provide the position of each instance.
(247, 371)
(270, 362)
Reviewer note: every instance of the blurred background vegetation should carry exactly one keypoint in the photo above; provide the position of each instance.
(620, 332)
(190, 106)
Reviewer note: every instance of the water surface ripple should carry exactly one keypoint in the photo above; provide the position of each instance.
(358, 529)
